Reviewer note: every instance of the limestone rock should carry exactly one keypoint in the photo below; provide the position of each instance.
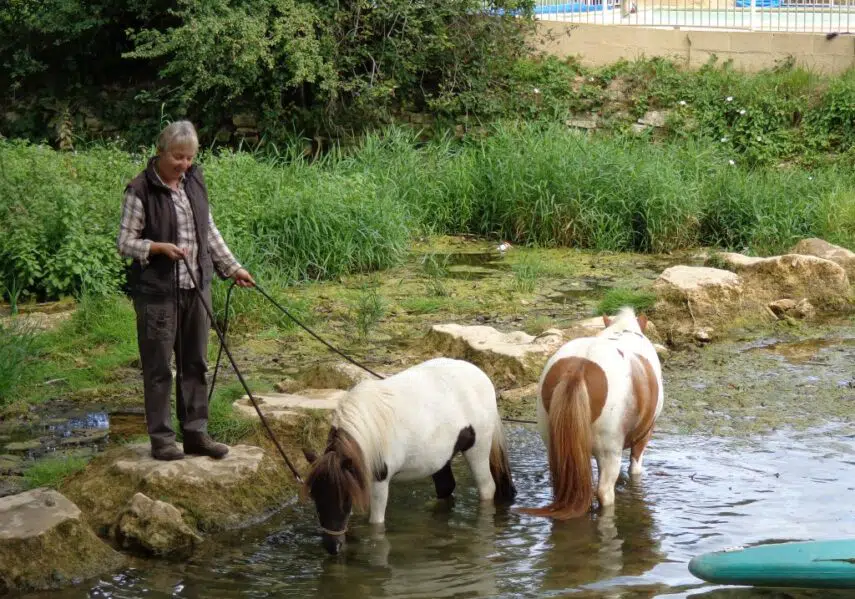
(509, 359)
(519, 394)
(789, 307)
(822, 249)
(706, 291)
(654, 118)
(211, 494)
(289, 406)
(335, 375)
(156, 527)
(45, 544)
(823, 282)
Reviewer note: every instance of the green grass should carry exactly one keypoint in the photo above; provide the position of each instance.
(50, 472)
(615, 299)
(358, 211)
(20, 348)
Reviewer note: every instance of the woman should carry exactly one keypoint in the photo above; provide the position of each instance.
(165, 218)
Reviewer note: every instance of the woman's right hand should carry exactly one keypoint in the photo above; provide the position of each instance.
(172, 251)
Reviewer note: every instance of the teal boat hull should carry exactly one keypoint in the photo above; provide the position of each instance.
(808, 565)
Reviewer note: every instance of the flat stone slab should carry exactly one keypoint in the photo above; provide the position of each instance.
(285, 406)
(241, 461)
(44, 543)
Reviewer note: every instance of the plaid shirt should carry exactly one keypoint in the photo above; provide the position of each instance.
(131, 244)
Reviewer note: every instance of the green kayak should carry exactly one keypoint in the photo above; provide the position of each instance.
(810, 565)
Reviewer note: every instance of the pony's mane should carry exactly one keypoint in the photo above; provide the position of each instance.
(624, 320)
(366, 414)
(343, 465)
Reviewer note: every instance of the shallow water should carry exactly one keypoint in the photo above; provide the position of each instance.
(698, 494)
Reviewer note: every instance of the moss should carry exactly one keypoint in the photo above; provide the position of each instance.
(54, 559)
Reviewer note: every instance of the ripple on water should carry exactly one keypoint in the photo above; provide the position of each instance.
(699, 494)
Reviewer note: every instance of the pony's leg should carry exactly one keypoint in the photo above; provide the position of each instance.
(379, 497)
(443, 481)
(478, 459)
(608, 465)
(637, 454)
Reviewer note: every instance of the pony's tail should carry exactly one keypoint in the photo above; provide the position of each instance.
(500, 468)
(569, 449)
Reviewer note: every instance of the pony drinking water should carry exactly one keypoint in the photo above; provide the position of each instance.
(597, 395)
(408, 426)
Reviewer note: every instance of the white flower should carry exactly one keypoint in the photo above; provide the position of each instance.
(759, 138)
(537, 91)
(723, 140)
(682, 102)
(590, 78)
(810, 178)
(742, 111)
(729, 99)
(731, 162)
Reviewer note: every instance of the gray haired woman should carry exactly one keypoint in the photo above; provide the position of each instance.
(165, 219)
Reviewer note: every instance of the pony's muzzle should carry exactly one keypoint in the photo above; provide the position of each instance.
(332, 543)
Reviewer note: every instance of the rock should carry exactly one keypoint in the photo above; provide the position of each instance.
(288, 406)
(335, 375)
(44, 543)
(702, 290)
(287, 385)
(639, 128)
(789, 307)
(24, 446)
(85, 437)
(156, 528)
(823, 282)
(509, 359)
(703, 335)
(822, 249)
(519, 394)
(654, 118)
(211, 494)
(12, 485)
(582, 123)
(661, 351)
(10, 464)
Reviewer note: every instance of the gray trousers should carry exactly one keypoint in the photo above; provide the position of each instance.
(158, 337)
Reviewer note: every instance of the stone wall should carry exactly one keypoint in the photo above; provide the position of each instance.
(600, 45)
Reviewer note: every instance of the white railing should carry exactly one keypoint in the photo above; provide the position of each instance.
(832, 16)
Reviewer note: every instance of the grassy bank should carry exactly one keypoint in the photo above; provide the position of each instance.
(540, 185)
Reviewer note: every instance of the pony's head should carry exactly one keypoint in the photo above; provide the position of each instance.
(337, 483)
(625, 320)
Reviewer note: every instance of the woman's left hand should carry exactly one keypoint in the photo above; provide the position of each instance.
(243, 278)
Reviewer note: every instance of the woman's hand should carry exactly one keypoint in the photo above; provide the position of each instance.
(243, 279)
(172, 251)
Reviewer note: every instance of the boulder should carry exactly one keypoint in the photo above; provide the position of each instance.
(824, 283)
(333, 375)
(509, 359)
(212, 495)
(290, 406)
(822, 249)
(790, 307)
(45, 544)
(699, 290)
(519, 394)
(154, 527)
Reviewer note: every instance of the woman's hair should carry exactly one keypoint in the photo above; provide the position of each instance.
(179, 133)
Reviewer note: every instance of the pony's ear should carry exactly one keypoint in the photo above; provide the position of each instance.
(642, 322)
(310, 455)
(607, 321)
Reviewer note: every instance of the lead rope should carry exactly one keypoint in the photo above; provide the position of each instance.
(308, 330)
(238, 373)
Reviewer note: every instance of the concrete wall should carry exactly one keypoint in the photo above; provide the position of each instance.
(598, 45)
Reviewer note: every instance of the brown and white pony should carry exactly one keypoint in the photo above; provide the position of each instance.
(597, 395)
(406, 427)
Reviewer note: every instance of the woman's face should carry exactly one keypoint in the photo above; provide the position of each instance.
(175, 161)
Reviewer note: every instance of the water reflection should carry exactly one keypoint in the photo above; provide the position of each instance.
(698, 494)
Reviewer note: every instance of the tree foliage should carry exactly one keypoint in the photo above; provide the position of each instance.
(320, 64)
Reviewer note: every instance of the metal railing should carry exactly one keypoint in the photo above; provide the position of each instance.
(809, 16)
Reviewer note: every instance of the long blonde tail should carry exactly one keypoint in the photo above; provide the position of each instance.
(569, 449)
